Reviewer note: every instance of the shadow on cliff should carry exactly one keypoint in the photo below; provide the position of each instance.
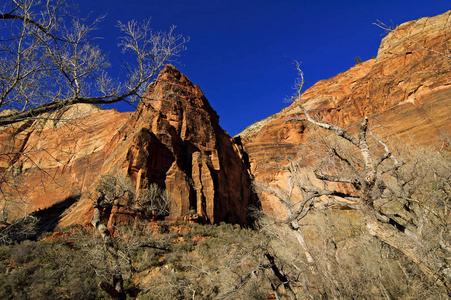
(34, 225)
(48, 218)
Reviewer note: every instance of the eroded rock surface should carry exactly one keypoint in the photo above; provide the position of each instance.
(405, 91)
(173, 140)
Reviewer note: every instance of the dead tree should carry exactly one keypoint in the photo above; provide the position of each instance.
(109, 191)
(50, 60)
(154, 201)
(375, 175)
(298, 196)
(389, 29)
(115, 289)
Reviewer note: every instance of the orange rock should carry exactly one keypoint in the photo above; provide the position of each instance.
(173, 139)
(405, 91)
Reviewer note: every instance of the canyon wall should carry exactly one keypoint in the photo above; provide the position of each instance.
(405, 91)
(173, 140)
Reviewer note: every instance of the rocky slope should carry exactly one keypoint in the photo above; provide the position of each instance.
(173, 140)
(406, 79)
(406, 94)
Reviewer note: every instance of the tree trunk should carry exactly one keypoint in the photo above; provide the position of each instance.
(116, 290)
(296, 230)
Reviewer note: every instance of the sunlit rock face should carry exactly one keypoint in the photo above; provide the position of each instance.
(173, 140)
(405, 91)
(55, 158)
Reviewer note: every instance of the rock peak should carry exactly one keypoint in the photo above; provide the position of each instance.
(173, 140)
(173, 92)
(170, 69)
(171, 75)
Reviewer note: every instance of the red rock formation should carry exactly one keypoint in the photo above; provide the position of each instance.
(405, 91)
(173, 139)
(405, 80)
(54, 158)
(197, 161)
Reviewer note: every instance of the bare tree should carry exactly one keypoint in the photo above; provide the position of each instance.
(109, 191)
(376, 176)
(155, 201)
(112, 257)
(49, 59)
(389, 29)
(297, 197)
(404, 199)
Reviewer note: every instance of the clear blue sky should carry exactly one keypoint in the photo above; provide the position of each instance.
(239, 51)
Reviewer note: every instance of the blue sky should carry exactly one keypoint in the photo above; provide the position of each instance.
(239, 51)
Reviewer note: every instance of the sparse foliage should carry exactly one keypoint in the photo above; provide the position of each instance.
(112, 254)
(188, 260)
(51, 59)
(331, 240)
(18, 230)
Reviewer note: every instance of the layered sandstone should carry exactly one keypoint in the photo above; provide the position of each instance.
(405, 91)
(54, 159)
(173, 140)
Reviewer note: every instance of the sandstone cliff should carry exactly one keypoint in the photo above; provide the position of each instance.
(405, 91)
(173, 140)
(409, 78)
(55, 163)
(406, 94)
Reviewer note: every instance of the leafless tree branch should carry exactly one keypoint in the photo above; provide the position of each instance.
(49, 60)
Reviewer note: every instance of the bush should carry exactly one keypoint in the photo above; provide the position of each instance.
(45, 270)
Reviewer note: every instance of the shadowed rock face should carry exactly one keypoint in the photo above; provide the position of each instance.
(173, 139)
(199, 164)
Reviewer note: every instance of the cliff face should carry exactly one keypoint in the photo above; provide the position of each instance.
(406, 94)
(54, 164)
(173, 140)
(55, 158)
(405, 91)
(204, 169)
